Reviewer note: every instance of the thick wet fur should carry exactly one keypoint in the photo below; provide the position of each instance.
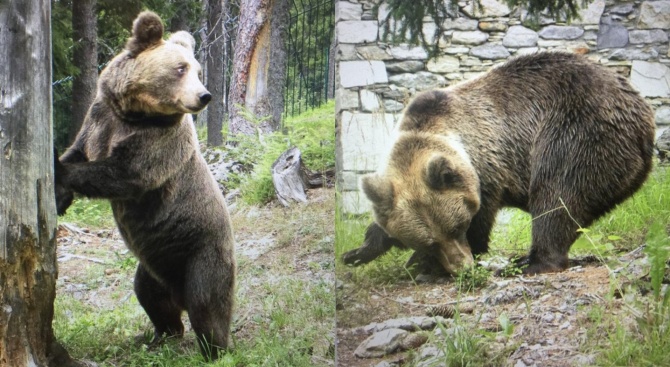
(550, 133)
(138, 148)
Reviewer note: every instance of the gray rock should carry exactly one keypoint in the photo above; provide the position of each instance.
(393, 106)
(345, 99)
(380, 343)
(663, 146)
(520, 36)
(654, 14)
(408, 66)
(490, 52)
(469, 37)
(413, 323)
(385, 364)
(369, 101)
(557, 32)
(361, 73)
(634, 54)
(612, 36)
(346, 52)
(405, 52)
(622, 9)
(351, 31)
(651, 79)
(456, 50)
(493, 26)
(345, 10)
(591, 14)
(487, 8)
(443, 64)
(662, 115)
(422, 80)
(647, 36)
(372, 52)
(460, 24)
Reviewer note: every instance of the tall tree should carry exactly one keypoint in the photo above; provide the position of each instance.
(259, 65)
(215, 70)
(28, 266)
(85, 35)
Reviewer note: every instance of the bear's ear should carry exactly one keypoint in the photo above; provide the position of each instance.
(440, 173)
(378, 189)
(183, 38)
(147, 31)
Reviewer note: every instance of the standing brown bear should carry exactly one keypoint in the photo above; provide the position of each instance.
(537, 133)
(138, 148)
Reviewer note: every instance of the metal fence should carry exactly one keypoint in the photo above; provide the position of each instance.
(310, 69)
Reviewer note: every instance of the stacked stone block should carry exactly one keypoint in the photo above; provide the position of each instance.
(376, 79)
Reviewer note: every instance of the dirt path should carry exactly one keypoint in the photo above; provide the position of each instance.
(553, 316)
(96, 269)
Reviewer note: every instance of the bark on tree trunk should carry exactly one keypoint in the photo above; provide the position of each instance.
(259, 65)
(179, 21)
(215, 74)
(28, 267)
(85, 58)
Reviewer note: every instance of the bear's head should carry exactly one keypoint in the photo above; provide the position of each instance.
(427, 195)
(153, 76)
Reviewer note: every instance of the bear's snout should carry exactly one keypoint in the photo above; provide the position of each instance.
(205, 98)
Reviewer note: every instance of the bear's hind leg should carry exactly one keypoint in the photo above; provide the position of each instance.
(159, 304)
(552, 235)
(209, 296)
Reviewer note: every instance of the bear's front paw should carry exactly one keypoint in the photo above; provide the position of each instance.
(64, 195)
(64, 199)
(352, 257)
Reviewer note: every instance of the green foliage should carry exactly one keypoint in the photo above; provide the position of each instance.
(623, 229)
(472, 277)
(90, 213)
(658, 250)
(404, 20)
(313, 132)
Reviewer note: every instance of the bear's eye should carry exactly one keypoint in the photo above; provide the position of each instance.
(181, 69)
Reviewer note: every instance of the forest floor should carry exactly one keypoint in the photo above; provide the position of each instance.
(285, 290)
(611, 307)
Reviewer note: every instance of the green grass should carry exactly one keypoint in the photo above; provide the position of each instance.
(90, 213)
(621, 230)
(283, 319)
(313, 132)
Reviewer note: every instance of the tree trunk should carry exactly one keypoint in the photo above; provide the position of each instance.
(179, 21)
(85, 58)
(28, 267)
(215, 76)
(259, 66)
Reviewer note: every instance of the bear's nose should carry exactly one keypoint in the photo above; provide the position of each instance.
(205, 98)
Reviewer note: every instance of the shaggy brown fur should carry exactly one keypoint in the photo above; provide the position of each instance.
(536, 133)
(138, 148)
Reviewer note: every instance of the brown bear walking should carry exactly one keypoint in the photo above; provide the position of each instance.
(537, 133)
(138, 148)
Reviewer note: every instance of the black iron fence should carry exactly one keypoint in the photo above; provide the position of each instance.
(310, 68)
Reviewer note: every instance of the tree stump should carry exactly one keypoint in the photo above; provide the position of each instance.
(287, 177)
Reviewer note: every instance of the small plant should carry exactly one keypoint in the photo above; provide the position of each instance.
(512, 269)
(90, 213)
(472, 277)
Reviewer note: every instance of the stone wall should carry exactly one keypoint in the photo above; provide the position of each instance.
(376, 79)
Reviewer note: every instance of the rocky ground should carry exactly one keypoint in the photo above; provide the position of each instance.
(544, 320)
(96, 269)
